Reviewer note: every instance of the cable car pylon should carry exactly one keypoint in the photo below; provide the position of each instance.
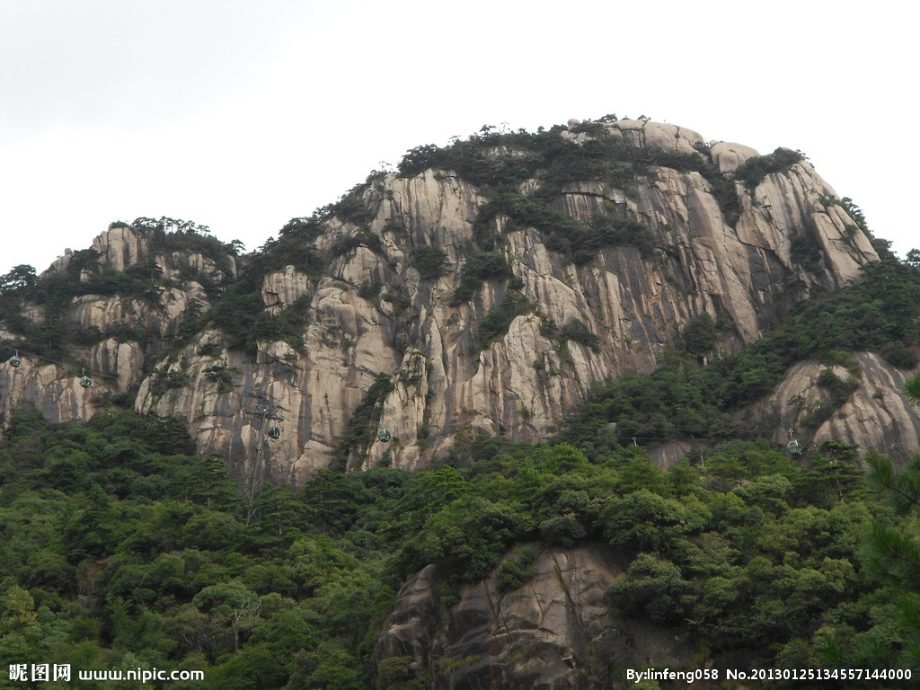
(263, 409)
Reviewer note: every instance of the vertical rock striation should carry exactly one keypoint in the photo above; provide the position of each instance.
(370, 309)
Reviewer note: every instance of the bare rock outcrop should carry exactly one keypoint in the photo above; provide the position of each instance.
(369, 311)
(658, 135)
(282, 288)
(51, 389)
(120, 247)
(875, 414)
(521, 384)
(556, 631)
(729, 157)
(129, 329)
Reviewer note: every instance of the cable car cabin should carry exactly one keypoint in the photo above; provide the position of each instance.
(274, 432)
(384, 435)
(15, 361)
(86, 381)
(793, 447)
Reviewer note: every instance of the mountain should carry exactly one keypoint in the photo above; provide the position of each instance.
(485, 288)
(638, 379)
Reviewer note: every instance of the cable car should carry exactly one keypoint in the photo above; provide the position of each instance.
(14, 360)
(274, 432)
(794, 448)
(85, 380)
(383, 435)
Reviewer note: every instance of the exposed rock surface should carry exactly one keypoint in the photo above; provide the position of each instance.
(876, 414)
(143, 326)
(282, 288)
(556, 631)
(446, 381)
(51, 389)
(120, 247)
(729, 157)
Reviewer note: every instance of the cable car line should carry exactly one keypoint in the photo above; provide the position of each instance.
(86, 379)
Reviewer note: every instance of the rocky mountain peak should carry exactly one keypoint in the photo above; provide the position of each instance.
(482, 288)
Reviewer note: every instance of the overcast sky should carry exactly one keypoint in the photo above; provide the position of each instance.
(241, 115)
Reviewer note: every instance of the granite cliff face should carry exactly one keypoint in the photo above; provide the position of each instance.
(557, 631)
(373, 309)
(875, 415)
(125, 331)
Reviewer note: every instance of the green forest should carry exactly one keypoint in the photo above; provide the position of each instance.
(121, 549)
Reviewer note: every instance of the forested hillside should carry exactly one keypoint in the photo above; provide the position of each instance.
(121, 550)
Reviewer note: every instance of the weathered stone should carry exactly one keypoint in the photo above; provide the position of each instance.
(729, 157)
(120, 247)
(658, 135)
(124, 361)
(51, 389)
(117, 364)
(556, 631)
(282, 288)
(876, 415)
(446, 379)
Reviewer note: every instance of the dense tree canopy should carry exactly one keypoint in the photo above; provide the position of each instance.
(119, 545)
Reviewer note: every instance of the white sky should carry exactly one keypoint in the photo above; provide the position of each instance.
(240, 115)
